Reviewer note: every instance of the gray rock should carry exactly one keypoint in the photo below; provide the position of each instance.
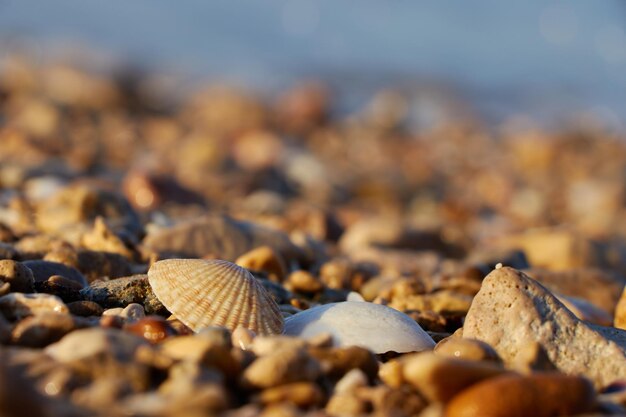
(122, 291)
(512, 311)
(42, 270)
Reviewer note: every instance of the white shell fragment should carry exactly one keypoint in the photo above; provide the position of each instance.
(203, 293)
(355, 323)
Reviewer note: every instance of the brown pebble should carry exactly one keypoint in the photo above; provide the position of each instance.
(17, 275)
(468, 349)
(347, 405)
(303, 281)
(59, 280)
(287, 365)
(41, 330)
(152, 328)
(430, 374)
(538, 395)
(17, 305)
(302, 394)
(85, 308)
(265, 259)
(338, 361)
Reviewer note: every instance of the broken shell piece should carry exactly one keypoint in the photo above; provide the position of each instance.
(375, 327)
(203, 293)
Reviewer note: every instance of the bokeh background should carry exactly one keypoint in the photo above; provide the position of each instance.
(554, 61)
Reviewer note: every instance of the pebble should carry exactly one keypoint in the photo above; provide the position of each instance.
(540, 395)
(154, 329)
(302, 394)
(287, 365)
(440, 378)
(42, 329)
(524, 312)
(85, 308)
(17, 275)
(304, 282)
(16, 305)
(42, 270)
(265, 259)
(466, 349)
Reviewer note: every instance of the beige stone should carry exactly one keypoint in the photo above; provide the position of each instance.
(264, 259)
(512, 310)
(439, 301)
(467, 349)
(302, 394)
(539, 395)
(42, 329)
(439, 378)
(287, 365)
(17, 305)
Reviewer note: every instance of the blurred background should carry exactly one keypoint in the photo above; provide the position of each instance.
(550, 60)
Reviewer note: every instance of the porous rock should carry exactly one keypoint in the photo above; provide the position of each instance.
(512, 311)
(122, 291)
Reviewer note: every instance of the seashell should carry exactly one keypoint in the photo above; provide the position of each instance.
(372, 326)
(222, 236)
(203, 293)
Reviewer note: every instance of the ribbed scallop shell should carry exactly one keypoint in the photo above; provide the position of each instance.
(202, 293)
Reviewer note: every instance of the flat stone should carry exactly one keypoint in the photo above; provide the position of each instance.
(512, 311)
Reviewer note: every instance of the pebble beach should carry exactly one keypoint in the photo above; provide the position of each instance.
(235, 254)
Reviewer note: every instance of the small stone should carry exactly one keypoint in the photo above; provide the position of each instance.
(440, 301)
(303, 281)
(353, 379)
(85, 308)
(7, 251)
(430, 374)
(42, 270)
(347, 405)
(100, 265)
(391, 373)
(242, 338)
(133, 313)
(540, 395)
(467, 349)
(287, 365)
(17, 275)
(17, 305)
(336, 362)
(209, 351)
(41, 330)
(265, 259)
(89, 343)
(101, 238)
(512, 311)
(302, 394)
(152, 328)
